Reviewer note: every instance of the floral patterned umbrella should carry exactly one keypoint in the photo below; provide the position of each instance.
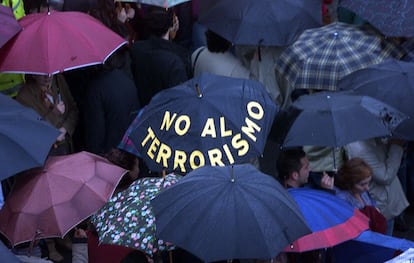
(127, 219)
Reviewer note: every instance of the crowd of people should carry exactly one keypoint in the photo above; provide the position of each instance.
(93, 107)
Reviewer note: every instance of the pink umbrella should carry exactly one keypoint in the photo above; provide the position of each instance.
(50, 201)
(53, 42)
(8, 25)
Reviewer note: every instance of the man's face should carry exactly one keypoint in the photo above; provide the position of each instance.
(304, 171)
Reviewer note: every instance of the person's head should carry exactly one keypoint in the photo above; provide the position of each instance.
(42, 81)
(354, 175)
(135, 256)
(41, 6)
(159, 22)
(293, 167)
(127, 161)
(216, 43)
(105, 11)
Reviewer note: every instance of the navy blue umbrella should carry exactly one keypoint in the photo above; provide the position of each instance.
(6, 255)
(370, 246)
(392, 82)
(208, 120)
(392, 17)
(231, 212)
(330, 118)
(265, 22)
(25, 138)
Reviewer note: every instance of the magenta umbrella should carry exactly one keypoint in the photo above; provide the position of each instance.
(9, 26)
(53, 42)
(50, 201)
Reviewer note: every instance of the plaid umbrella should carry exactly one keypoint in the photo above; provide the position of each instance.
(127, 219)
(321, 56)
(392, 18)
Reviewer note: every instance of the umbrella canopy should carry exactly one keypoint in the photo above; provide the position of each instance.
(321, 56)
(331, 219)
(265, 22)
(160, 3)
(230, 212)
(50, 201)
(6, 255)
(53, 42)
(127, 219)
(25, 139)
(391, 81)
(8, 24)
(370, 246)
(334, 119)
(208, 120)
(392, 18)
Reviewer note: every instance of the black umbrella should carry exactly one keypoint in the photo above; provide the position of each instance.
(266, 22)
(334, 119)
(391, 81)
(230, 212)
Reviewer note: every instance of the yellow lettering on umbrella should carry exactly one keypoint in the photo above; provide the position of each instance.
(209, 128)
(240, 144)
(164, 153)
(215, 157)
(183, 119)
(223, 131)
(179, 160)
(197, 155)
(167, 121)
(150, 135)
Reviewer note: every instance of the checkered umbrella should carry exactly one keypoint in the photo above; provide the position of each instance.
(321, 56)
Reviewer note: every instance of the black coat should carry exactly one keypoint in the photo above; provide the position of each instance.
(158, 64)
(111, 100)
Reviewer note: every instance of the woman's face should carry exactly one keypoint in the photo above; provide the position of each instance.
(43, 81)
(362, 186)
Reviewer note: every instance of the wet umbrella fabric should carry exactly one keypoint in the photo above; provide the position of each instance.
(25, 138)
(127, 219)
(334, 119)
(53, 42)
(208, 120)
(265, 22)
(392, 18)
(9, 25)
(392, 82)
(331, 219)
(50, 201)
(230, 212)
(322, 56)
(370, 246)
(6, 255)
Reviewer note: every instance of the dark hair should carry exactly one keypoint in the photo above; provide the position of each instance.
(158, 21)
(216, 43)
(289, 161)
(135, 256)
(121, 158)
(352, 172)
(104, 11)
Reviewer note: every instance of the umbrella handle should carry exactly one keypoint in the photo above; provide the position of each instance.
(37, 233)
(171, 256)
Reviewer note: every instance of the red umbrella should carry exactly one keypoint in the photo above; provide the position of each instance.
(8, 25)
(49, 202)
(52, 42)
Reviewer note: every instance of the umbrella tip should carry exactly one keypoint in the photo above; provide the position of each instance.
(197, 87)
